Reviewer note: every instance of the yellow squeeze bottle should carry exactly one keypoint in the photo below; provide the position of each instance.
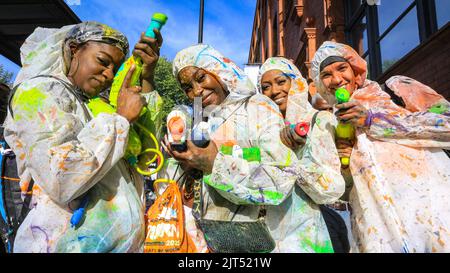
(344, 130)
(158, 20)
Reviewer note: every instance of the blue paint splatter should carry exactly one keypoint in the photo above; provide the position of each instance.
(388, 120)
(80, 238)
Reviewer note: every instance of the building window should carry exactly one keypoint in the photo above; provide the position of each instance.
(442, 12)
(399, 30)
(359, 36)
(389, 11)
(385, 33)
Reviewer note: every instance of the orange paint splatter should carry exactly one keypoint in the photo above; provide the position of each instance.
(24, 186)
(407, 157)
(323, 183)
(66, 147)
(19, 144)
(389, 199)
(300, 84)
(265, 105)
(372, 229)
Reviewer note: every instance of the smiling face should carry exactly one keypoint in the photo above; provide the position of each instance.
(93, 66)
(276, 85)
(197, 82)
(338, 74)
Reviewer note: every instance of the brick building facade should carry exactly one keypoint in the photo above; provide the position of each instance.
(296, 28)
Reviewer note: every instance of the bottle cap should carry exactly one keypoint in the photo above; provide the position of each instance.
(161, 17)
(302, 129)
(345, 161)
(342, 95)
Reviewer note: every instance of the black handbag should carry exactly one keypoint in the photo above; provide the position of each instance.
(232, 236)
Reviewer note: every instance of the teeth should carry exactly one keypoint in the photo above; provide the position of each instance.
(280, 100)
(207, 96)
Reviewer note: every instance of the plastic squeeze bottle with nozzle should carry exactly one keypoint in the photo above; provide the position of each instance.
(158, 21)
(344, 130)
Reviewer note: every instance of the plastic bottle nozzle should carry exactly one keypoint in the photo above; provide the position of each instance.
(342, 95)
(76, 217)
(345, 161)
(161, 17)
(79, 212)
(158, 21)
(301, 129)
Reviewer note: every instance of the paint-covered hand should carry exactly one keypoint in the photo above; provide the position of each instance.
(353, 112)
(344, 148)
(194, 157)
(148, 50)
(130, 102)
(290, 139)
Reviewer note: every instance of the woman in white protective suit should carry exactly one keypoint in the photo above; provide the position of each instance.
(71, 155)
(319, 166)
(238, 187)
(401, 175)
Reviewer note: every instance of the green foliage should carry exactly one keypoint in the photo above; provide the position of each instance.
(168, 87)
(5, 76)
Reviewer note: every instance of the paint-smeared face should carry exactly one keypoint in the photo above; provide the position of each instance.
(93, 66)
(338, 74)
(276, 85)
(197, 82)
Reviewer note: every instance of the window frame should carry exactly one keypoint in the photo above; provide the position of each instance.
(426, 19)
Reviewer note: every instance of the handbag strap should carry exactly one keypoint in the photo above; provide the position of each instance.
(197, 206)
(313, 121)
(197, 209)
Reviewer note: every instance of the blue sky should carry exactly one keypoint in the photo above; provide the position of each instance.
(227, 23)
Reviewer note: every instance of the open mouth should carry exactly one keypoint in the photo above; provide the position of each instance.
(207, 98)
(280, 100)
